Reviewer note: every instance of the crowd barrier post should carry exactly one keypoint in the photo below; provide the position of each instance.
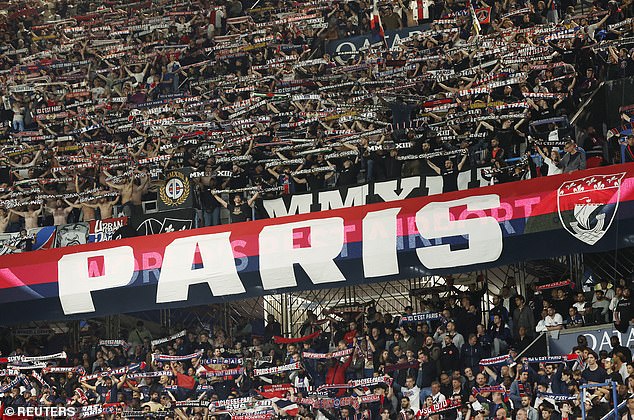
(615, 410)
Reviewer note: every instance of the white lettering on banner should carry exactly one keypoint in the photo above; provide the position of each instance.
(598, 339)
(387, 189)
(465, 177)
(218, 270)
(434, 185)
(379, 243)
(605, 340)
(356, 196)
(300, 204)
(604, 343)
(76, 283)
(348, 48)
(593, 340)
(151, 263)
(383, 234)
(278, 254)
(484, 233)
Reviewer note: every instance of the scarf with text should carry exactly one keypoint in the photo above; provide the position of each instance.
(114, 372)
(326, 403)
(277, 369)
(115, 343)
(371, 381)
(247, 403)
(59, 369)
(495, 388)
(437, 408)
(22, 358)
(259, 415)
(418, 318)
(96, 410)
(497, 361)
(170, 338)
(156, 374)
(224, 372)
(39, 378)
(9, 372)
(556, 397)
(222, 361)
(275, 391)
(170, 358)
(26, 366)
(563, 283)
(357, 383)
(16, 382)
(330, 355)
(572, 357)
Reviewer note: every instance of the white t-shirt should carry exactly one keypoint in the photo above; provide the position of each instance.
(623, 372)
(581, 306)
(414, 397)
(552, 168)
(553, 321)
(138, 77)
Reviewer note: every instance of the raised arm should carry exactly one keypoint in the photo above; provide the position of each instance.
(462, 162)
(222, 202)
(88, 386)
(433, 166)
(251, 200)
(115, 186)
(19, 213)
(73, 205)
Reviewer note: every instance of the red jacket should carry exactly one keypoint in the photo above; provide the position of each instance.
(337, 374)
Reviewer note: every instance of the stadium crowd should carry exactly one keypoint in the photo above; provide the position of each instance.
(449, 361)
(101, 98)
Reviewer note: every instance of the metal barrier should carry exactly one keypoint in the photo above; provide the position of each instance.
(615, 410)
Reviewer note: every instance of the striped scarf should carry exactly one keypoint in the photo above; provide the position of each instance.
(497, 361)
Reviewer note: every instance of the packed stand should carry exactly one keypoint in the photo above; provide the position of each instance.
(349, 363)
(100, 99)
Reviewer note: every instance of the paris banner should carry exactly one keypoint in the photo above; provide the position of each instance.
(463, 231)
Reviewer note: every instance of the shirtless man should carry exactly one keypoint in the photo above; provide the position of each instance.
(87, 208)
(30, 216)
(105, 207)
(60, 213)
(4, 220)
(131, 193)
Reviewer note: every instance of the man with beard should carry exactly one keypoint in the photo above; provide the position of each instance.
(155, 403)
(449, 173)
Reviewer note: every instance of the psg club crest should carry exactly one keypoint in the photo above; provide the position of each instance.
(587, 206)
(176, 191)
